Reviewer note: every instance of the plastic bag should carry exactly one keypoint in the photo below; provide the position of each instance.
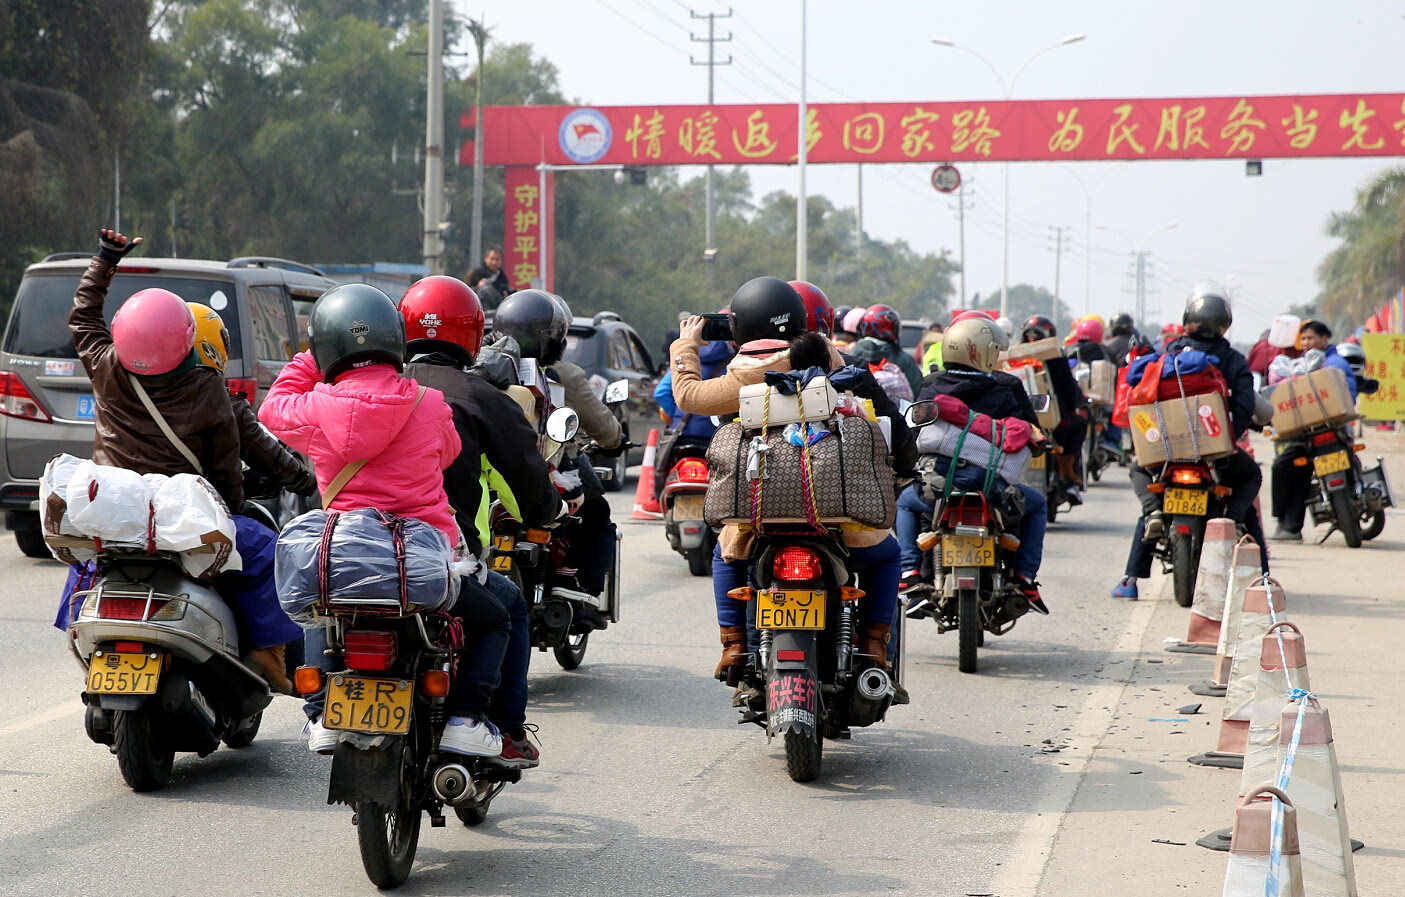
(110, 503)
(53, 495)
(189, 515)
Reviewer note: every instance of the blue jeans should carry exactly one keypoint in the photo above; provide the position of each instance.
(1030, 554)
(509, 707)
(914, 516)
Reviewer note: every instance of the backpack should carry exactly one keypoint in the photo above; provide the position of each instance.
(1161, 378)
(892, 380)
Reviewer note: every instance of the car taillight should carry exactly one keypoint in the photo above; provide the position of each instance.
(245, 387)
(370, 649)
(1186, 475)
(793, 564)
(118, 607)
(692, 470)
(16, 401)
(1324, 438)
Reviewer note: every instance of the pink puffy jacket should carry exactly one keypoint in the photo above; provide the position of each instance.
(367, 413)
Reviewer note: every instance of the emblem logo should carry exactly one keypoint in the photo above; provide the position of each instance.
(585, 135)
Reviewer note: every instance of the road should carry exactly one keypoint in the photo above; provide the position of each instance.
(648, 785)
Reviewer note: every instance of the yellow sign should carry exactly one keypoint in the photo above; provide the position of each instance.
(1385, 361)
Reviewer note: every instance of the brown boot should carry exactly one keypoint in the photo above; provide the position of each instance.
(873, 643)
(734, 651)
(1068, 469)
(272, 665)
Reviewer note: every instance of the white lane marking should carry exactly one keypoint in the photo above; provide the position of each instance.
(1022, 874)
(44, 716)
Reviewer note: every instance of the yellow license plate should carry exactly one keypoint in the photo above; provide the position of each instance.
(688, 507)
(1333, 463)
(1037, 463)
(790, 609)
(968, 551)
(1185, 501)
(110, 673)
(368, 705)
(502, 563)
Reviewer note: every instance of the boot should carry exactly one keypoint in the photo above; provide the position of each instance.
(271, 663)
(873, 643)
(1068, 469)
(734, 653)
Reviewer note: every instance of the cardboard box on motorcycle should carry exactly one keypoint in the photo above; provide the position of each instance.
(1036, 383)
(1310, 399)
(1153, 435)
(1098, 380)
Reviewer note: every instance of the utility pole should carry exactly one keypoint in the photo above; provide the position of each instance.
(712, 40)
(1141, 268)
(858, 224)
(117, 190)
(475, 252)
(961, 208)
(1060, 232)
(434, 143)
(802, 224)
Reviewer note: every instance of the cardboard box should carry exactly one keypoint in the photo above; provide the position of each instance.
(1044, 350)
(1098, 381)
(1167, 437)
(1309, 400)
(1036, 383)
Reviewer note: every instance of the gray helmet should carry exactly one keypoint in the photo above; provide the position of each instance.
(352, 324)
(537, 320)
(1207, 311)
(1354, 355)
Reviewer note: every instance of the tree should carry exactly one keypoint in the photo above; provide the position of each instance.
(1368, 266)
(1026, 300)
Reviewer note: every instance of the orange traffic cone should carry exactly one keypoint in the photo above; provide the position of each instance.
(646, 504)
(1251, 857)
(1208, 607)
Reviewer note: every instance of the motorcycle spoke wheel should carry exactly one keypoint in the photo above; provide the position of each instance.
(804, 753)
(143, 755)
(968, 631)
(572, 653)
(1346, 519)
(1183, 568)
(242, 735)
(388, 840)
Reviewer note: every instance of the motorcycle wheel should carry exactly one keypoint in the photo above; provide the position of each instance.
(1052, 511)
(803, 756)
(1346, 519)
(388, 840)
(142, 754)
(472, 816)
(1182, 568)
(572, 653)
(700, 560)
(1375, 524)
(31, 543)
(968, 630)
(242, 735)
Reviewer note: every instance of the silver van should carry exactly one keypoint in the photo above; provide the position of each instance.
(46, 399)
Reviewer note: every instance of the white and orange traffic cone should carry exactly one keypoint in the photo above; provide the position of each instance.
(1315, 785)
(646, 503)
(1244, 570)
(1264, 849)
(1207, 609)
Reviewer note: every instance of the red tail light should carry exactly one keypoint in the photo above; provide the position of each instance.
(129, 648)
(692, 470)
(791, 656)
(1324, 438)
(244, 387)
(1186, 475)
(16, 401)
(370, 649)
(116, 607)
(793, 564)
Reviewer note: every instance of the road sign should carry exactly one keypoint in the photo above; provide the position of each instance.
(946, 178)
(1385, 361)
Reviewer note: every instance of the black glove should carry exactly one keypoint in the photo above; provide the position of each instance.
(304, 483)
(1368, 386)
(110, 250)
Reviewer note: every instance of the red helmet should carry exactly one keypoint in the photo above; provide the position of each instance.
(1089, 329)
(1036, 328)
(153, 332)
(445, 310)
(881, 322)
(819, 314)
(1173, 329)
(963, 314)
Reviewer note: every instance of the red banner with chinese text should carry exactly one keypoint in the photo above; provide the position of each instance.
(524, 237)
(1350, 125)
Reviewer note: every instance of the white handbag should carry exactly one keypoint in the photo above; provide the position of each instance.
(819, 399)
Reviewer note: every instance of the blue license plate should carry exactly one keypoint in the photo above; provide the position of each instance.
(87, 406)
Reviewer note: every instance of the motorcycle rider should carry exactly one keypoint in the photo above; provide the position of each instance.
(697, 429)
(443, 333)
(1121, 333)
(880, 331)
(1206, 317)
(1169, 333)
(1073, 406)
(846, 328)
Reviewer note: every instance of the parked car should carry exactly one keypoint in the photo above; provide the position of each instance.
(46, 398)
(608, 349)
(911, 337)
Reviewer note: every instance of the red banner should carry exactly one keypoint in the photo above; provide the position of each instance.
(526, 242)
(1016, 130)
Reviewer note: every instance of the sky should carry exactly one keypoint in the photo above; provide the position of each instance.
(1262, 236)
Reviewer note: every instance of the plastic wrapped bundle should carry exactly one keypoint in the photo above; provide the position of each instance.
(942, 438)
(355, 556)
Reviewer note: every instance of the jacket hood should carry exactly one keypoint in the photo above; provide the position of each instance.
(872, 350)
(760, 362)
(713, 353)
(966, 385)
(365, 409)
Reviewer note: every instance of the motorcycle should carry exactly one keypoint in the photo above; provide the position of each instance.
(1097, 456)
(682, 498)
(1043, 474)
(1344, 493)
(530, 557)
(1190, 496)
(611, 467)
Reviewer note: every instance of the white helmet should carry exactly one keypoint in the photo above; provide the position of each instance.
(1006, 325)
(974, 342)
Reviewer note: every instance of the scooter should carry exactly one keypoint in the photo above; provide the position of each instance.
(610, 467)
(683, 497)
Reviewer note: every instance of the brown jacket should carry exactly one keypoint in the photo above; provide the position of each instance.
(720, 396)
(260, 449)
(195, 405)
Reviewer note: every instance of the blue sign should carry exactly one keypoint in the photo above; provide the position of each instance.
(87, 407)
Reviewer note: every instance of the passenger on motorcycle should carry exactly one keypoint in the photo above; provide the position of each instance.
(697, 429)
(343, 401)
(846, 327)
(443, 333)
(766, 313)
(150, 351)
(1206, 318)
(879, 343)
(1122, 332)
(970, 350)
(1169, 333)
(1073, 425)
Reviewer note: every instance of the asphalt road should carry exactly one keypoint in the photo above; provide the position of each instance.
(648, 785)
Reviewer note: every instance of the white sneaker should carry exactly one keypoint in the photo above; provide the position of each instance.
(320, 740)
(470, 737)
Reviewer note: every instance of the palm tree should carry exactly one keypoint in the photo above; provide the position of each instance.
(1368, 266)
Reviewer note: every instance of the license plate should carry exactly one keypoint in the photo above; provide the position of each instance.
(1037, 463)
(968, 551)
(368, 705)
(87, 407)
(790, 609)
(1333, 463)
(1185, 501)
(123, 674)
(688, 507)
(502, 563)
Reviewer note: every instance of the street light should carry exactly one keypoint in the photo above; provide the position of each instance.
(1007, 90)
(1140, 256)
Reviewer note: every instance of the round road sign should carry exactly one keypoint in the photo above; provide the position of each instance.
(945, 178)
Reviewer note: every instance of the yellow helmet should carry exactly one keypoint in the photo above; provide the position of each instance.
(211, 337)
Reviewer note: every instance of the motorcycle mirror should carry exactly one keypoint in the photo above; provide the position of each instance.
(617, 392)
(717, 420)
(562, 425)
(1040, 403)
(920, 414)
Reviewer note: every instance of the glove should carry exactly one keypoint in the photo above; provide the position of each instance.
(304, 483)
(113, 247)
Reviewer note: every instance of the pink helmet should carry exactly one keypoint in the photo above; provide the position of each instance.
(1090, 329)
(852, 319)
(153, 332)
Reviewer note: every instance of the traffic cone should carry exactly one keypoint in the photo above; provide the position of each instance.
(1316, 789)
(646, 504)
(1208, 607)
(1250, 866)
(1244, 570)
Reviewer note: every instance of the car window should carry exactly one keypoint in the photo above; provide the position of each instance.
(620, 357)
(911, 335)
(39, 322)
(268, 321)
(302, 309)
(642, 362)
(580, 349)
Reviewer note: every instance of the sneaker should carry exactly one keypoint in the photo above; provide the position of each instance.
(900, 695)
(1155, 527)
(320, 740)
(921, 609)
(1031, 591)
(519, 753)
(1282, 535)
(1074, 499)
(471, 737)
(1126, 588)
(909, 579)
(568, 585)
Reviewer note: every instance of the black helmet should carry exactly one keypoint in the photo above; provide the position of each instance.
(1207, 313)
(1120, 324)
(537, 320)
(766, 308)
(1036, 328)
(355, 323)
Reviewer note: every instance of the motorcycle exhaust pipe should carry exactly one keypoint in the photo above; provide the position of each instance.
(872, 692)
(452, 783)
(556, 615)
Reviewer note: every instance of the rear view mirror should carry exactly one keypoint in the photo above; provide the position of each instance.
(1040, 403)
(562, 425)
(617, 392)
(920, 414)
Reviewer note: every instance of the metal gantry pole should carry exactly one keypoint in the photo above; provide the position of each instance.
(801, 222)
(709, 214)
(858, 223)
(480, 37)
(1087, 251)
(434, 143)
(961, 236)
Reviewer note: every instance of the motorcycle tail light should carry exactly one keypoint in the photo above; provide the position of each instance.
(119, 607)
(307, 680)
(692, 470)
(1358, 447)
(795, 564)
(16, 400)
(1335, 482)
(1186, 475)
(1223, 491)
(539, 536)
(434, 684)
(246, 388)
(1324, 438)
(369, 649)
(791, 656)
(129, 647)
